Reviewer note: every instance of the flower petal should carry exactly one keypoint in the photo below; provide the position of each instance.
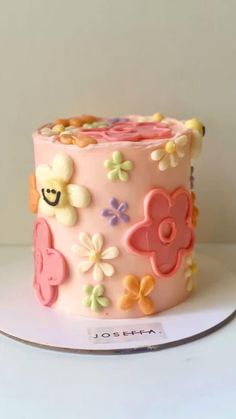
(126, 302)
(127, 165)
(46, 209)
(43, 173)
(85, 240)
(103, 301)
(164, 163)
(85, 266)
(114, 203)
(132, 284)
(97, 241)
(66, 215)
(107, 212)
(123, 176)
(95, 306)
(147, 284)
(188, 273)
(108, 269)
(62, 167)
(181, 141)
(86, 301)
(123, 207)
(97, 273)
(114, 220)
(117, 157)
(190, 284)
(109, 164)
(88, 289)
(180, 151)
(79, 196)
(80, 250)
(110, 253)
(158, 154)
(98, 290)
(174, 160)
(113, 174)
(146, 305)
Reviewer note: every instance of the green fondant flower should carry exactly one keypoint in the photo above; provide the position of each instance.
(118, 167)
(94, 297)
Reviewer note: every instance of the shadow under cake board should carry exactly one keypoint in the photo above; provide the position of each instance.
(212, 305)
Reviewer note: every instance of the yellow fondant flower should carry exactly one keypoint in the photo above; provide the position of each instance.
(198, 131)
(91, 248)
(60, 198)
(190, 270)
(138, 291)
(170, 152)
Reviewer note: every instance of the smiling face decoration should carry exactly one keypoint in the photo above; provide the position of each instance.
(60, 198)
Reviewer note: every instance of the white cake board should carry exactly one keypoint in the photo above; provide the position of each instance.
(212, 304)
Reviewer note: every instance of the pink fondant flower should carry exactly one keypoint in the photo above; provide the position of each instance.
(166, 233)
(50, 265)
(131, 131)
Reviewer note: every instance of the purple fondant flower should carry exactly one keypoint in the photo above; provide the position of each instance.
(117, 212)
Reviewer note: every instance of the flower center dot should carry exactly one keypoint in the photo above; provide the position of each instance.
(170, 147)
(94, 257)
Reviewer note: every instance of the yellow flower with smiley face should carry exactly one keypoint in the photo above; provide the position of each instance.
(60, 198)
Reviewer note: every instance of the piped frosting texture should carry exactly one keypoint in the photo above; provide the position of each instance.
(86, 129)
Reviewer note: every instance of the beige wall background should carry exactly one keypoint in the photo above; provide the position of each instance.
(109, 57)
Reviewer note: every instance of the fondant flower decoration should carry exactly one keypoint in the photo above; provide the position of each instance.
(33, 194)
(138, 291)
(58, 129)
(95, 297)
(96, 124)
(198, 131)
(166, 233)
(118, 167)
(59, 197)
(91, 248)
(157, 117)
(116, 213)
(195, 212)
(50, 265)
(191, 269)
(169, 154)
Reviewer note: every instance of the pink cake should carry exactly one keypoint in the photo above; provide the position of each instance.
(116, 214)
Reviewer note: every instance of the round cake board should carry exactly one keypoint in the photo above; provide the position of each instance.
(211, 305)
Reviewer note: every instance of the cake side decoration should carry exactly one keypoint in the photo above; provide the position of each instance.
(137, 292)
(49, 264)
(91, 248)
(59, 198)
(116, 213)
(94, 298)
(34, 196)
(190, 270)
(118, 167)
(195, 210)
(166, 233)
(168, 154)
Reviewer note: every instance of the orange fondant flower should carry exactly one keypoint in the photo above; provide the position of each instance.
(195, 212)
(137, 292)
(33, 194)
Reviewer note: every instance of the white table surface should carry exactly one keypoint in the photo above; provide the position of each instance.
(192, 381)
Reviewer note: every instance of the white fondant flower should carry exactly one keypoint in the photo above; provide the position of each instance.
(57, 129)
(91, 250)
(169, 153)
(191, 269)
(60, 198)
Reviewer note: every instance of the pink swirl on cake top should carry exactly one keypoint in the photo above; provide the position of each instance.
(131, 131)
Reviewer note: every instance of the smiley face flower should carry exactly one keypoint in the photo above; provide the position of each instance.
(59, 198)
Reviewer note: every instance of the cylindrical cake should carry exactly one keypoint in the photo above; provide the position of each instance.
(116, 214)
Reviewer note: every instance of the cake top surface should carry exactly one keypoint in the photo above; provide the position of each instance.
(88, 130)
